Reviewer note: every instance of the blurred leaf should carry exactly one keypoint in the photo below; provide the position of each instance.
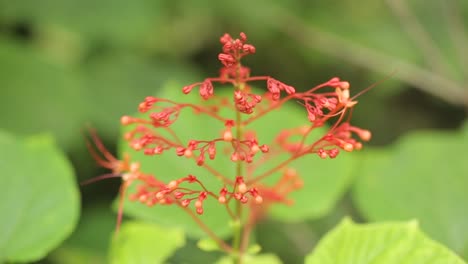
(424, 177)
(116, 82)
(90, 241)
(253, 259)
(191, 253)
(39, 199)
(139, 242)
(207, 244)
(72, 255)
(115, 21)
(379, 243)
(38, 94)
(373, 26)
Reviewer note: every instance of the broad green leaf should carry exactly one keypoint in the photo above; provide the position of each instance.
(380, 243)
(424, 176)
(140, 242)
(253, 259)
(324, 180)
(39, 199)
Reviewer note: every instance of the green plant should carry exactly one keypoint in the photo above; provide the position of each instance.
(233, 180)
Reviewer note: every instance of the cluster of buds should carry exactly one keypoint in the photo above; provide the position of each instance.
(152, 133)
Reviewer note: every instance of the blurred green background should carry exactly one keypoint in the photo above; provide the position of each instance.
(66, 65)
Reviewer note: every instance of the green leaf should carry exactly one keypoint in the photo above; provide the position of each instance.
(39, 199)
(140, 242)
(380, 243)
(253, 259)
(424, 176)
(208, 244)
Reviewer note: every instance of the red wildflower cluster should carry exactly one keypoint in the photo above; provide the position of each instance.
(329, 102)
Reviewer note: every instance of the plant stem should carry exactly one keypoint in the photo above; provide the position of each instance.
(236, 243)
(208, 231)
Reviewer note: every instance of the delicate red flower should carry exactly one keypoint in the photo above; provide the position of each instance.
(153, 135)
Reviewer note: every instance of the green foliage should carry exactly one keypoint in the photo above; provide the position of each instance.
(380, 243)
(424, 176)
(39, 200)
(68, 64)
(139, 242)
(253, 259)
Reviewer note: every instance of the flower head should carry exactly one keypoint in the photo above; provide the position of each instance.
(152, 133)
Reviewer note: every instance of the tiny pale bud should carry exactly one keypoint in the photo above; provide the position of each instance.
(244, 199)
(134, 166)
(188, 153)
(185, 202)
(142, 107)
(365, 135)
(200, 210)
(344, 85)
(235, 157)
(322, 154)
(159, 195)
(255, 148)
(137, 146)
(258, 199)
(128, 136)
(127, 176)
(242, 188)
(222, 199)
(227, 135)
(348, 147)
(357, 146)
(172, 185)
(125, 120)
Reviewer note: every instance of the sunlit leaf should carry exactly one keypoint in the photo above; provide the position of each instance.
(380, 243)
(424, 177)
(139, 242)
